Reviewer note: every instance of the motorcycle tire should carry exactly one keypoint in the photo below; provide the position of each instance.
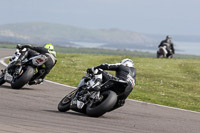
(64, 104)
(170, 56)
(108, 102)
(160, 56)
(2, 81)
(24, 78)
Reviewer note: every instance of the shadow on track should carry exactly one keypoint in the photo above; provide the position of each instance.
(76, 114)
(70, 113)
(9, 87)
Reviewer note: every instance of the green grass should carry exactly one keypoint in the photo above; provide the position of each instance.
(8, 46)
(171, 82)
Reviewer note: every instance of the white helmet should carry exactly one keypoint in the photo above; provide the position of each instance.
(127, 62)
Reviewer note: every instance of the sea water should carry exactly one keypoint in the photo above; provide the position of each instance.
(190, 48)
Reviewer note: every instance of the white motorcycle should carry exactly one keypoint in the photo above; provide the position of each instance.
(20, 73)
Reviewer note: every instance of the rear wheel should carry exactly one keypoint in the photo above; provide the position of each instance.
(64, 104)
(24, 78)
(170, 56)
(108, 102)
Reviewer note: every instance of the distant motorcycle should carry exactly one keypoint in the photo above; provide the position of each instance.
(93, 103)
(20, 73)
(163, 53)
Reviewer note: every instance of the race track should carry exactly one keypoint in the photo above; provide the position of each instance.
(33, 109)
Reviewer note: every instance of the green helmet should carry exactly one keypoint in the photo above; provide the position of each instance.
(50, 48)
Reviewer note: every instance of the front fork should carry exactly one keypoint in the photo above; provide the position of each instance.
(18, 72)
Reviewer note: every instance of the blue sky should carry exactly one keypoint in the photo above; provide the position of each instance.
(174, 17)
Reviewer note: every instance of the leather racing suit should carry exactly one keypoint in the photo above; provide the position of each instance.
(122, 73)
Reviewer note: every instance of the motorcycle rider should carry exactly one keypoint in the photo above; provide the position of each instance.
(169, 45)
(125, 71)
(48, 51)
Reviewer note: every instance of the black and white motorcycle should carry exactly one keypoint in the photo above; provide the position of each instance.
(20, 73)
(163, 53)
(93, 103)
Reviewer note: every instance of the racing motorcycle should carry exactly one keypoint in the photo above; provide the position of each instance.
(163, 53)
(20, 73)
(91, 102)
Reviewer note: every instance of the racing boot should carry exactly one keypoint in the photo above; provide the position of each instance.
(119, 104)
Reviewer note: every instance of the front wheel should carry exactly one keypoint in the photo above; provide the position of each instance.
(2, 81)
(159, 55)
(108, 102)
(64, 104)
(24, 78)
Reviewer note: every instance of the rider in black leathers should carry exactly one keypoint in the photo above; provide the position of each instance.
(169, 45)
(48, 51)
(124, 71)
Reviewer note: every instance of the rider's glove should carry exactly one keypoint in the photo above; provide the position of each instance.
(90, 70)
(19, 46)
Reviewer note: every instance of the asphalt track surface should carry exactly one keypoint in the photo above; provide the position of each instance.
(33, 109)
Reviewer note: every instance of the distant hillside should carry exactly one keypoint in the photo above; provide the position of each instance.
(177, 38)
(39, 33)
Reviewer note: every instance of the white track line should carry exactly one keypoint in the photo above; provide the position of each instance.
(163, 106)
(2, 61)
(60, 84)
